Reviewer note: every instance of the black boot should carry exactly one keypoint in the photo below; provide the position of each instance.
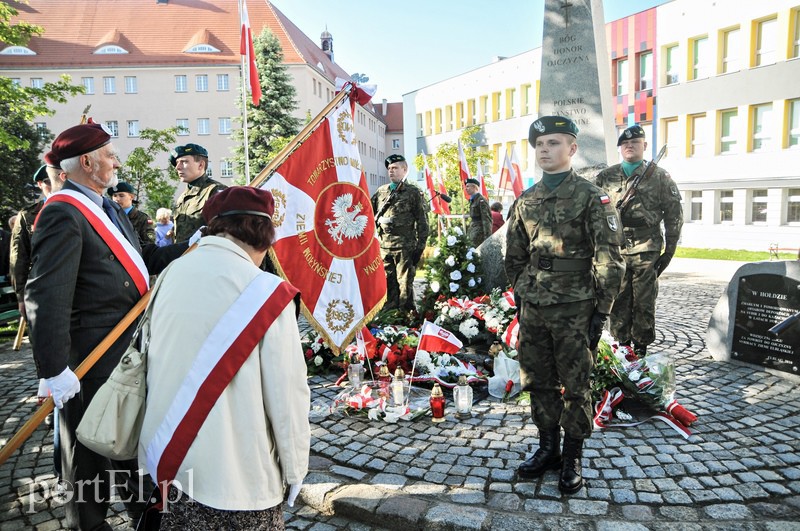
(547, 457)
(571, 478)
(640, 351)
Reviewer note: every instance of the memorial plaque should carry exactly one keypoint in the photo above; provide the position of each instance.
(763, 301)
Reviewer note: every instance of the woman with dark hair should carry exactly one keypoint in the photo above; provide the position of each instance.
(497, 216)
(226, 424)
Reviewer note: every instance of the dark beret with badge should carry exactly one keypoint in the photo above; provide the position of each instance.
(634, 131)
(41, 174)
(548, 125)
(391, 159)
(188, 149)
(121, 187)
(239, 201)
(77, 140)
(473, 180)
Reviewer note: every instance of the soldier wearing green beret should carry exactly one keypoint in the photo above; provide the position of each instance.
(124, 195)
(480, 217)
(633, 317)
(191, 163)
(563, 261)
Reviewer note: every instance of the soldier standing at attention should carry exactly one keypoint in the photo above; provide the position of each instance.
(564, 263)
(403, 229)
(480, 218)
(123, 195)
(633, 316)
(191, 163)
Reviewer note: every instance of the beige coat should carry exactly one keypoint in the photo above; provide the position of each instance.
(257, 435)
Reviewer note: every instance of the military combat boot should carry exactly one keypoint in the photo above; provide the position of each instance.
(547, 457)
(571, 475)
(640, 350)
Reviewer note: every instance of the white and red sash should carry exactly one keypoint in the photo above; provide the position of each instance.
(224, 351)
(127, 255)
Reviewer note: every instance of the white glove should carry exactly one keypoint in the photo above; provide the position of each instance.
(196, 236)
(43, 391)
(294, 490)
(63, 387)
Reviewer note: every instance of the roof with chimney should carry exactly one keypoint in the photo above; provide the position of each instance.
(393, 117)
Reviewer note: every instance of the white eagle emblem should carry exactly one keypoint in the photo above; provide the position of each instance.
(346, 222)
(539, 126)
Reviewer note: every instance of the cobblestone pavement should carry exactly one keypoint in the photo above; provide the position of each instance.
(740, 469)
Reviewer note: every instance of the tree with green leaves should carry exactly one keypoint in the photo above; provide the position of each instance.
(153, 185)
(17, 166)
(26, 102)
(271, 124)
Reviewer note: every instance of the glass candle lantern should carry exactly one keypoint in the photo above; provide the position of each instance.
(462, 396)
(355, 374)
(437, 403)
(384, 380)
(398, 396)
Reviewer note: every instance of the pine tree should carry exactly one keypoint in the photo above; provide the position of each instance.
(271, 124)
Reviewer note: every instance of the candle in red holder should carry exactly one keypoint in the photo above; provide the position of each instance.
(437, 403)
(384, 379)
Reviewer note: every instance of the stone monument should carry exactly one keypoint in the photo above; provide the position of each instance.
(575, 77)
(759, 296)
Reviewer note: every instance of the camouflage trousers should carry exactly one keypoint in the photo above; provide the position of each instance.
(554, 353)
(400, 273)
(633, 316)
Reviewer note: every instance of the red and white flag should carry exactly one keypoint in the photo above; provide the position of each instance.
(246, 49)
(440, 186)
(516, 175)
(479, 176)
(366, 344)
(463, 169)
(436, 201)
(325, 238)
(506, 174)
(433, 338)
(511, 335)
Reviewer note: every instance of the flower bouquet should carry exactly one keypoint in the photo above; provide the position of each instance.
(444, 369)
(319, 356)
(374, 401)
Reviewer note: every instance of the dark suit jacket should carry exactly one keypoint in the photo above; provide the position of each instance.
(77, 291)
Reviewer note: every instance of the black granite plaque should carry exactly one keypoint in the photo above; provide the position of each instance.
(763, 301)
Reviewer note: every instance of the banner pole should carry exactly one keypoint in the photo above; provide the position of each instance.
(245, 62)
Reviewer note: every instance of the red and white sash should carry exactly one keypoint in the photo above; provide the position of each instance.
(127, 255)
(224, 351)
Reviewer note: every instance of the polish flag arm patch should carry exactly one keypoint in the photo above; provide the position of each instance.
(604, 199)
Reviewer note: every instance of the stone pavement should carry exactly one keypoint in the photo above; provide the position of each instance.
(739, 470)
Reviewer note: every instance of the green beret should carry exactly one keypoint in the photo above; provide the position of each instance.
(634, 131)
(394, 158)
(188, 149)
(472, 180)
(40, 174)
(121, 187)
(548, 125)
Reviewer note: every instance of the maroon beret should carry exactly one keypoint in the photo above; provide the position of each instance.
(77, 140)
(239, 200)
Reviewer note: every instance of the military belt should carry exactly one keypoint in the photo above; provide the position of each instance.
(563, 265)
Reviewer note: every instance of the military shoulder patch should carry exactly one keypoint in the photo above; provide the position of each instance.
(604, 199)
(674, 191)
(612, 223)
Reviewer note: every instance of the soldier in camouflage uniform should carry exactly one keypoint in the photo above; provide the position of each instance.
(400, 215)
(480, 218)
(191, 163)
(123, 195)
(563, 260)
(657, 199)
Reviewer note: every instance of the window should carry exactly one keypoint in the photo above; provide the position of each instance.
(224, 126)
(202, 48)
(671, 53)
(395, 143)
(37, 82)
(17, 82)
(646, 71)
(428, 123)
(698, 128)
(526, 99)
(201, 83)
(420, 129)
(793, 129)
(133, 127)
(793, 210)
(109, 85)
(794, 20)
(726, 206)
(728, 131)
(762, 127)
(88, 84)
(483, 110)
(223, 83)
(460, 115)
(180, 84)
(131, 85)
(226, 168)
(17, 50)
(437, 121)
(731, 50)
(202, 126)
(183, 126)
(448, 118)
(700, 58)
(621, 75)
(471, 112)
(495, 106)
(41, 129)
(671, 137)
(113, 127)
(511, 103)
(766, 41)
(110, 49)
(759, 205)
(696, 211)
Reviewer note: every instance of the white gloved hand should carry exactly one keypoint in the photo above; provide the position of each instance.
(43, 391)
(294, 490)
(63, 387)
(196, 236)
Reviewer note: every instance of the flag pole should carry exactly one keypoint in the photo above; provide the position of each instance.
(300, 137)
(245, 61)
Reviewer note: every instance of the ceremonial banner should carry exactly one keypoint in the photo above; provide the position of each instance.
(325, 239)
(436, 201)
(246, 49)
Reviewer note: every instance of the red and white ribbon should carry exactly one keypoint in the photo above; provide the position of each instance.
(605, 407)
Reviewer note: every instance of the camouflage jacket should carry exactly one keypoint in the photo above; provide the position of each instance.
(480, 220)
(143, 226)
(188, 211)
(20, 255)
(404, 224)
(577, 222)
(657, 199)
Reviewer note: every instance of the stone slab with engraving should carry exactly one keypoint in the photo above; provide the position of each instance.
(759, 296)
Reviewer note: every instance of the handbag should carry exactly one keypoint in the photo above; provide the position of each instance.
(112, 422)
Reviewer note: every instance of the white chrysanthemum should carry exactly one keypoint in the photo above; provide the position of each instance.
(451, 240)
(504, 305)
(471, 283)
(471, 267)
(469, 254)
(455, 275)
(458, 230)
(437, 251)
(451, 260)
(423, 358)
(452, 311)
(435, 286)
(453, 287)
(318, 360)
(469, 328)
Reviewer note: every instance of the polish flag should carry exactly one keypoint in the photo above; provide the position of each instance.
(516, 175)
(511, 335)
(479, 176)
(246, 49)
(440, 186)
(463, 169)
(366, 343)
(506, 174)
(436, 201)
(434, 338)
